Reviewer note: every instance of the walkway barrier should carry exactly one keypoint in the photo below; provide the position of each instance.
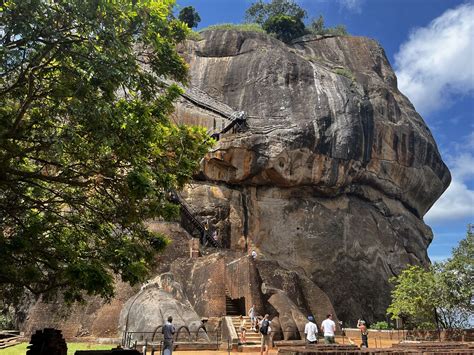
(184, 339)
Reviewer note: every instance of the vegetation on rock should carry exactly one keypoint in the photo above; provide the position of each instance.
(244, 27)
(317, 27)
(261, 12)
(285, 20)
(439, 296)
(87, 152)
(284, 27)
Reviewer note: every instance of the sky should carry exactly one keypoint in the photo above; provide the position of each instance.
(430, 45)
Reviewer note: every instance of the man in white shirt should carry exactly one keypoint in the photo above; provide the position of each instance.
(311, 331)
(329, 328)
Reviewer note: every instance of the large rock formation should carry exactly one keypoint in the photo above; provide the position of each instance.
(336, 170)
(328, 183)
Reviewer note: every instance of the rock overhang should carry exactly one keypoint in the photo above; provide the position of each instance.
(323, 112)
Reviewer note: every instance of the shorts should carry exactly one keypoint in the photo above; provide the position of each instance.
(266, 340)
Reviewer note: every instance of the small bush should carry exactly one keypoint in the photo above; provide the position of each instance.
(345, 72)
(193, 35)
(317, 27)
(380, 326)
(244, 27)
(6, 321)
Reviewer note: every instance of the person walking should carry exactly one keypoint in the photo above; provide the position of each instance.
(363, 333)
(243, 339)
(311, 331)
(329, 328)
(168, 332)
(253, 317)
(265, 331)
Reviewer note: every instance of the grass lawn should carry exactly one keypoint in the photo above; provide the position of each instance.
(20, 349)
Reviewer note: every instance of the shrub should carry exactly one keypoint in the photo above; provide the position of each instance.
(6, 321)
(317, 27)
(381, 326)
(244, 27)
(345, 72)
(193, 35)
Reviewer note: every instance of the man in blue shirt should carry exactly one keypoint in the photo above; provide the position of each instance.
(168, 332)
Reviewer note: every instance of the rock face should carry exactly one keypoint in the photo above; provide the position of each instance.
(335, 171)
(328, 183)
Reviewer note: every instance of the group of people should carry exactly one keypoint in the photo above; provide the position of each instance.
(328, 328)
(261, 325)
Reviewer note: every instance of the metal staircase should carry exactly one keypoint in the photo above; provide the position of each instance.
(237, 122)
(191, 224)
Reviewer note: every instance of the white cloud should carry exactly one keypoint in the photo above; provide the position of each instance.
(352, 5)
(457, 202)
(436, 63)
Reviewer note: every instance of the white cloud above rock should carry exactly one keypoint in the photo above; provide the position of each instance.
(457, 202)
(436, 63)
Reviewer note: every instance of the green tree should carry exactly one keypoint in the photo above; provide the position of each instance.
(415, 297)
(456, 285)
(284, 27)
(441, 295)
(189, 16)
(317, 27)
(87, 152)
(260, 12)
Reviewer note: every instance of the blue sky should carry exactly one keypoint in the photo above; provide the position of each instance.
(430, 44)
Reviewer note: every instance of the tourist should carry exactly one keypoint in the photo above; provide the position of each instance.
(363, 333)
(253, 317)
(311, 331)
(254, 255)
(329, 328)
(243, 339)
(168, 332)
(265, 332)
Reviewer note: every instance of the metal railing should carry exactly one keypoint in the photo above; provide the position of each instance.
(184, 338)
(191, 224)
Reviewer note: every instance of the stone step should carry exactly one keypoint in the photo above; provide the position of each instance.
(248, 348)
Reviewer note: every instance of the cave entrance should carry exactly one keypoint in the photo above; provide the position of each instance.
(234, 307)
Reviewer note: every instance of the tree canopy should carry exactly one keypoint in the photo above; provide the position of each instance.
(260, 12)
(442, 295)
(285, 20)
(189, 16)
(284, 27)
(87, 151)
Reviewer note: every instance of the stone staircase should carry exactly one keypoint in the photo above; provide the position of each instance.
(253, 337)
(231, 307)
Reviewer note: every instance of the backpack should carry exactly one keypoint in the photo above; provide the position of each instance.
(264, 327)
